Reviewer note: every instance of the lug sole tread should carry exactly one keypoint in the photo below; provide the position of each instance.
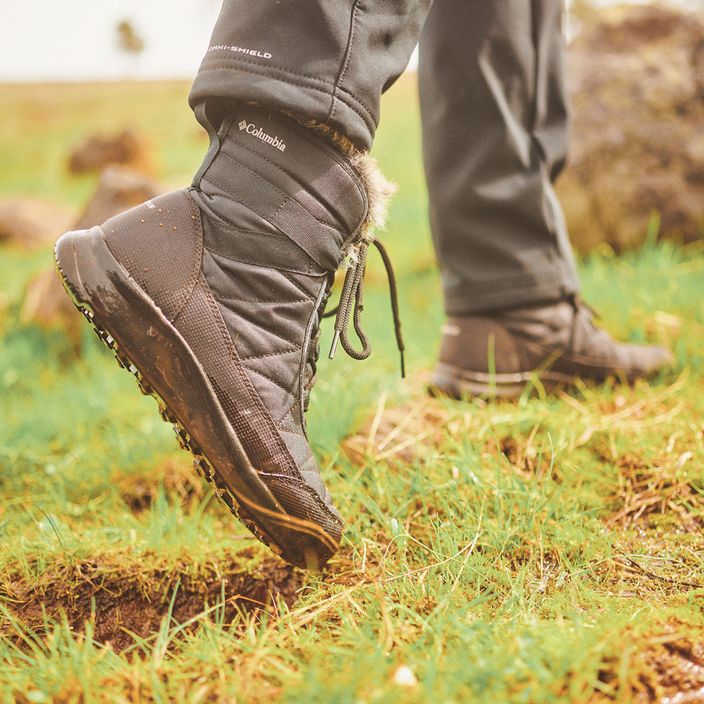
(200, 462)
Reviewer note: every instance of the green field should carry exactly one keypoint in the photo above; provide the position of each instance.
(543, 551)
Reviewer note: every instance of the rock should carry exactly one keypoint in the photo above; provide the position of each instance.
(96, 152)
(30, 223)
(637, 89)
(119, 188)
(46, 303)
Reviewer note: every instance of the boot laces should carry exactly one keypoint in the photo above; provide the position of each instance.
(314, 348)
(351, 304)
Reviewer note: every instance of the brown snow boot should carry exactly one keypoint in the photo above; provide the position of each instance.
(213, 296)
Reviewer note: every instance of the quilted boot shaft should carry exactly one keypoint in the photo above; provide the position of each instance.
(279, 207)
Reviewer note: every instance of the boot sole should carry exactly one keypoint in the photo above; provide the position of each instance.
(145, 343)
(458, 383)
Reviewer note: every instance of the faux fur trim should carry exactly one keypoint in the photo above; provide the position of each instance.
(379, 192)
(337, 139)
(378, 188)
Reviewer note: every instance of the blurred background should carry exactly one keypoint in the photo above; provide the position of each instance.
(94, 120)
(120, 39)
(113, 39)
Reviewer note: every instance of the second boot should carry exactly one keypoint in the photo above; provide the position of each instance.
(501, 354)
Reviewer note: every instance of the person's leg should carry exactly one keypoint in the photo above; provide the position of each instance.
(213, 295)
(494, 132)
(495, 125)
(328, 61)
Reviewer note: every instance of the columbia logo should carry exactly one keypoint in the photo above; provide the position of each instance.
(259, 133)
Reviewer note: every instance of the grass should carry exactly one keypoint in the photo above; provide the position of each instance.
(544, 551)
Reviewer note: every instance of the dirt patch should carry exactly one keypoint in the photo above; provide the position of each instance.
(636, 92)
(125, 596)
(667, 668)
(119, 188)
(638, 570)
(525, 454)
(412, 432)
(28, 222)
(656, 518)
(176, 476)
(46, 305)
(126, 148)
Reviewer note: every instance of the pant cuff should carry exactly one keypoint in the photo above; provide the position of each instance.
(510, 292)
(231, 78)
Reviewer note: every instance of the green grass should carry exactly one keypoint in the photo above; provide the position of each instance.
(543, 551)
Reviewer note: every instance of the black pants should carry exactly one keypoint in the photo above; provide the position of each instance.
(493, 110)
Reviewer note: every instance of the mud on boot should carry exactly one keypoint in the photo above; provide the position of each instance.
(212, 296)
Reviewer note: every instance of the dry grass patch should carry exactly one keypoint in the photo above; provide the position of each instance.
(661, 486)
(175, 475)
(403, 434)
(526, 455)
(648, 496)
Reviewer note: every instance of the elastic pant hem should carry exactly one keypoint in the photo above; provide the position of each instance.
(506, 294)
(274, 87)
